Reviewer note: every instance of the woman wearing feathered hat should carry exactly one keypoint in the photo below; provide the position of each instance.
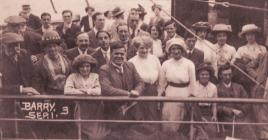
(177, 78)
(84, 82)
(225, 52)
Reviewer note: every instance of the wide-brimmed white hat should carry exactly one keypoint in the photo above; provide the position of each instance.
(175, 41)
(249, 28)
(222, 28)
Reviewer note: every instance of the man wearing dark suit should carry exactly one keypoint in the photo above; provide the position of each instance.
(134, 29)
(102, 55)
(120, 78)
(68, 30)
(195, 55)
(84, 46)
(16, 69)
(86, 21)
(124, 37)
(99, 23)
(33, 21)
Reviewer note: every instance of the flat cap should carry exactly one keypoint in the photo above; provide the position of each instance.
(9, 37)
(15, 20)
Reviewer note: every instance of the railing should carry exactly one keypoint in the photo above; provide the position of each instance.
(139, 99)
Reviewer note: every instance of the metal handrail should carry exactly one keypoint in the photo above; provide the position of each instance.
(138, 99)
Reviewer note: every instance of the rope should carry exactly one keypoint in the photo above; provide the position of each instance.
(190, 31)
(227, 4)
(132, 121)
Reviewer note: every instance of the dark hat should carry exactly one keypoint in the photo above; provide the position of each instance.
(83, 58)
(9, 37)
(141, 10)
(50, 37)
(207, 67)
(156, 6)
(89, 8)
(26, 7)
(117, 11)
(201, 26)
(15, 20)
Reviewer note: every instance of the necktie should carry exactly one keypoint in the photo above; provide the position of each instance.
(105, 57)
(133, 33)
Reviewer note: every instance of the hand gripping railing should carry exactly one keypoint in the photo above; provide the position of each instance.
(139, 99)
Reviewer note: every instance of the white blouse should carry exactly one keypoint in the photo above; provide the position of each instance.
(225, 53)
(76, 81)
(157, 48)
(148, 68)
(208, 91)
(250, 51)
(177, 71)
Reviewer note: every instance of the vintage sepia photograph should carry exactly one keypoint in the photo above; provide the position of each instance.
(133, 70)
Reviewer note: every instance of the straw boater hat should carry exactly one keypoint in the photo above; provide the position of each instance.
(117, 11)
(15, 20)
(249, 28)
(201, 26)
(50, 37)
(83, 58)
(8, 38)
(206, 67)
(222, 28)
(176, 41)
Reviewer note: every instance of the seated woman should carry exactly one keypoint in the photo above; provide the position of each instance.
(84, 82)
(205, 89)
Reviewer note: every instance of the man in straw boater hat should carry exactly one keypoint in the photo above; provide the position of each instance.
(86, 22)
(248, 56)
(202, 29)
(16, 69)
(225, 52)
(157, 19)
(118, 15)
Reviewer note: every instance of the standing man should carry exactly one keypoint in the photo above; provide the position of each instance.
(16, 69)
(124, 38)
(33, 21)
(68, 30)
(102, 55)
(46, 23)
(133, 23)
(120, 78)
(84, 46)
(195, 55)
(86, 22)
(99, 23)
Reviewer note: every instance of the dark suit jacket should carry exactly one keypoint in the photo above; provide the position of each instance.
(69, 36)
(34, 22)
(93, 39)
(197, 57)
(16, 74)
(85, 23)
(100, 59)
(72, 53)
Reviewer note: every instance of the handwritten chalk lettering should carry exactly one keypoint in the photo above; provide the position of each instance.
(43, 110)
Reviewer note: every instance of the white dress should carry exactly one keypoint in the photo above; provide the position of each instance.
(176, 71)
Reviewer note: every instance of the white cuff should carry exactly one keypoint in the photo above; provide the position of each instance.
(21, 88)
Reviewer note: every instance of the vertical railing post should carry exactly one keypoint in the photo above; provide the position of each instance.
(192, 125)
(1, 134)
(16, 116)
(79, 123)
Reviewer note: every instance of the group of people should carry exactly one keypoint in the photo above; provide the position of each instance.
(108, 55)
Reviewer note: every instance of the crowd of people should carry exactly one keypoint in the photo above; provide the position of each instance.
(106, 54)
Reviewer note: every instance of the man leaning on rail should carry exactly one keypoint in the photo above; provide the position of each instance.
(16, 69)
(120, 78)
